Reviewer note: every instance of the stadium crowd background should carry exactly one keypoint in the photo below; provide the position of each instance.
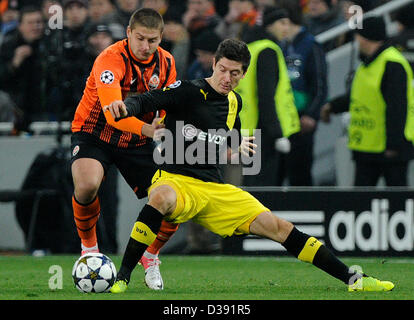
(53, 64)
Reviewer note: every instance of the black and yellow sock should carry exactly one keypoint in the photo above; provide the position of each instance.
(143, 234)
(310, 249)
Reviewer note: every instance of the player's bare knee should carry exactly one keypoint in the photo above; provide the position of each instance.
(163, 198)
(86, 191)
(270, 226)
(285, 227)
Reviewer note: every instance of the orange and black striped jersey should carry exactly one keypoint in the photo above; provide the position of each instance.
(117, 69)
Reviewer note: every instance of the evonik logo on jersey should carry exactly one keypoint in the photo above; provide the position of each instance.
(191, 145)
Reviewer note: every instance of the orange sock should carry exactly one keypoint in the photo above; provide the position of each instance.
(86, 217)
(166, 232)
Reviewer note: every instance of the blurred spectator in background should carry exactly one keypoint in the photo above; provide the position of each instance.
(22, 72)
(199, 16)
(161, 6)
(99, 38)
(118, 20)
(46, 5)
(322, 16)
(306, 63)
(166, 8)
(98, 9)
(76, 14)
(205, 46)
(66, 59)
(268, 102)
(381, 129)
(9, 17)
(241, 13)
(260, 6)
(9, 20)
(177, 41)
(404, 40)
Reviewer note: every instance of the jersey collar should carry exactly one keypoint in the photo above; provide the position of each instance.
(146, 63)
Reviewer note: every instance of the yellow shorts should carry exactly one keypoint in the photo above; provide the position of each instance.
(221, 208)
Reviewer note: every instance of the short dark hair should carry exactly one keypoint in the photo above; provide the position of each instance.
(294, 10)
(234, 49)
(27, 10)
(148, 18)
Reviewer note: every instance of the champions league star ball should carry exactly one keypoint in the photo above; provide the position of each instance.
(94, 272)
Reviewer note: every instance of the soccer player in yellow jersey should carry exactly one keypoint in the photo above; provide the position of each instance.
(198, 112)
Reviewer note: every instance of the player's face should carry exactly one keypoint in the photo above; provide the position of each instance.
(143, 41)
(226, 75)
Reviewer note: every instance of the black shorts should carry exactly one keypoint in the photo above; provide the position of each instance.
(135, 165)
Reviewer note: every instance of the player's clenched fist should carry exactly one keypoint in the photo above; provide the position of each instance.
(117, 109)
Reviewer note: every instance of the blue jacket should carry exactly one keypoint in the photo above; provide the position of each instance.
(306, 62)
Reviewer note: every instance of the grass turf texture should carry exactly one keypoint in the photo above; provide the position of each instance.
(209, 278)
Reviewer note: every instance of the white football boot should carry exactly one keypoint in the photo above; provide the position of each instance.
(153, 278)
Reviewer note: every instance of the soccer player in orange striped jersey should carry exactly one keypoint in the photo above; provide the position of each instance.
(128, 67)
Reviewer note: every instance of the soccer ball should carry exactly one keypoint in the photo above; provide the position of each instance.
(94, 272)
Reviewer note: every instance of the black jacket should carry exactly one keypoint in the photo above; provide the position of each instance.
(27, 83)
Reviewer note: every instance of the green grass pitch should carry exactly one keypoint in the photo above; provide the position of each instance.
(208, 278)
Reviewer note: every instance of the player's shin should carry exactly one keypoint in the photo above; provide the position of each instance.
(143, 234)
(86, 216)
(310, 249)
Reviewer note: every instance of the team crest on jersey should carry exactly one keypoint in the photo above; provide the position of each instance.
(154, 82)
(107, 77)
(75, 151)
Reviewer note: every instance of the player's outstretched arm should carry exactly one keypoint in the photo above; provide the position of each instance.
(119, 111)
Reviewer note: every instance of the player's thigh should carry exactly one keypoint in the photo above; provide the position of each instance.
(137, 167)
(87, 173)
(230, 210)
(89, 164)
